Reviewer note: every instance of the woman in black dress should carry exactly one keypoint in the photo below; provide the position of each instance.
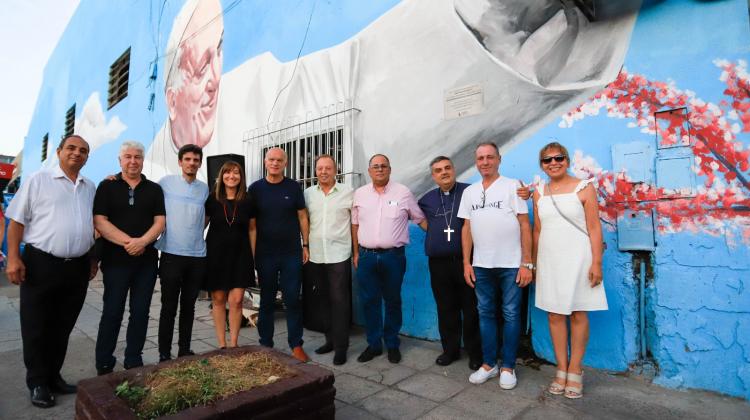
(230, 262)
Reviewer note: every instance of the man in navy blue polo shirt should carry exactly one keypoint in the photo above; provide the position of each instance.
(456, 301)
(279, 238)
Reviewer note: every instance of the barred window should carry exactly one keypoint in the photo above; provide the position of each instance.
(45, 143)
(119, 74)
(70, 121)
(302, 153)
(303, 142)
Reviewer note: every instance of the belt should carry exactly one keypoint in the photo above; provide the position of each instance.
(48, 255)
(379, 250)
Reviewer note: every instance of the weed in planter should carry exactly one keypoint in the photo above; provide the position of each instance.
(131, 393)
(199, 382)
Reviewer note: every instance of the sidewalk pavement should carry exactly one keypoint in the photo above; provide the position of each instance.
(415, 388)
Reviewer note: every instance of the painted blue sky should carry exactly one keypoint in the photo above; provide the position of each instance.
(29, 31)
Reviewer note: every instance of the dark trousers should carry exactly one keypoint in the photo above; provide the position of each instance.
(280, 272)
(138, 278)
(456, 307)
(181, 279)
(380, 275)
(335, 281)
(52, 296)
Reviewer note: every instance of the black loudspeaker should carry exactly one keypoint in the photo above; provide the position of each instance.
(215, 163)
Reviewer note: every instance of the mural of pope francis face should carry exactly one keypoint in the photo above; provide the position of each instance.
(193, 72)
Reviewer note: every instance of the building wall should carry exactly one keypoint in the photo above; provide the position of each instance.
(597, 93)
(697, 306)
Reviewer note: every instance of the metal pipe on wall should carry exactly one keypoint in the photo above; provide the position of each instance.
(642, 308)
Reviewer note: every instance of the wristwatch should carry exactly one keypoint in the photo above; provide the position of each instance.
(306, 245)
(530, 266)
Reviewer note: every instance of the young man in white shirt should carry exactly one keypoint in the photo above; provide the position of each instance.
(497, 228)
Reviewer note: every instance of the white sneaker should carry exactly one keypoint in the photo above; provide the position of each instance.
(508, 379)
(481, 375)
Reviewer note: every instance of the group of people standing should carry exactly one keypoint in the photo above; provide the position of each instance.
(480, 246)
(496, 254)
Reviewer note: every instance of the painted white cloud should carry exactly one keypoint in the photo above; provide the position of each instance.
(93, 126)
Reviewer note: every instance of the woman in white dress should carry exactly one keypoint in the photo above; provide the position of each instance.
(568, 253)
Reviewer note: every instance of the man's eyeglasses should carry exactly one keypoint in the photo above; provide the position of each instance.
(379, 167)
(131, 195)
(484, 196)
(548, 160)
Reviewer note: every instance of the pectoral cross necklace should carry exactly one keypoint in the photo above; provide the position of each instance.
(448, 220)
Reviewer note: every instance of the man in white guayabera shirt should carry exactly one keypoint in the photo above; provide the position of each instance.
(52, 214)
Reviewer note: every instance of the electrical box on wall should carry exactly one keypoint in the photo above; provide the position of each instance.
(636, 159)
(675, 175)
(635, 230)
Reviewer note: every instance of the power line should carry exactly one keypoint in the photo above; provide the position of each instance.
(296, 61)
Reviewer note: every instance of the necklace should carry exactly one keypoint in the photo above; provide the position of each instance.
(555, 187)
(234, 213)
(448, 221)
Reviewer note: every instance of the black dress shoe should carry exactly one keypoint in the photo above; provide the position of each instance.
(128, 366)
(325, 348)
(104, 370)
(185, 353)
(59, 386)
(445, 359)
(369, 354)
(42, 397)
(475, 364)
(164, 357)
(394, 355)
(339, 358)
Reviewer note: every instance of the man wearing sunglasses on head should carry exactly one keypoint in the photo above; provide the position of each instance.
(497, 228)
(129, 213)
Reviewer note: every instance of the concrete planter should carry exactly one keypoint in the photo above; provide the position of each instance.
(308, 395)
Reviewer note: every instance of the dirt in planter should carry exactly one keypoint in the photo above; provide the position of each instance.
(200, 382)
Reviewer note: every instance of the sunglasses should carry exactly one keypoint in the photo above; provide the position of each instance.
(131, 195)
(379, 167)
(548, 160)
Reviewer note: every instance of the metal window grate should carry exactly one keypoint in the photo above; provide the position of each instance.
(330, 133)
(45, 143)
(70, 121)
(119, 73)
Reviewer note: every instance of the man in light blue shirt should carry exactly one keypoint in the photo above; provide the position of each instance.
(182, 266)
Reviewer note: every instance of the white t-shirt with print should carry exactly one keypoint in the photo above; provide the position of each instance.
(495, 230)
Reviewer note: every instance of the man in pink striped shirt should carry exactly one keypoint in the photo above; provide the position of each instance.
(380, 229)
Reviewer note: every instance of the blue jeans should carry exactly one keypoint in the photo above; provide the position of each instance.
(380, 275)
(492, 282)
(139, 278)
(280, 272)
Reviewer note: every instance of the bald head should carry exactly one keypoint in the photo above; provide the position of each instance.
(275, 163)
(276, 152)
